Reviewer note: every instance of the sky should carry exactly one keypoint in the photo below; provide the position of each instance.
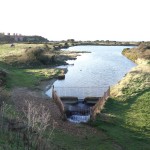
(121, 20)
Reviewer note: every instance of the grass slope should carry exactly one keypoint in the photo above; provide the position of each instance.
(127, 119)
(69, 142)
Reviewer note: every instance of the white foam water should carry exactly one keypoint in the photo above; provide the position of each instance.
(79, 118)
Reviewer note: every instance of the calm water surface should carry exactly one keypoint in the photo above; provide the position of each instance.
(92, 73)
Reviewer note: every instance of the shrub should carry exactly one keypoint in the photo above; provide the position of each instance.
(34, 53)
(38, 56)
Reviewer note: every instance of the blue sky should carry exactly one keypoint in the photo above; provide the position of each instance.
(77, 19)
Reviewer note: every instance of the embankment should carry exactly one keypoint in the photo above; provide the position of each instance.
(138, 79)
(29, 64)
(125, 118)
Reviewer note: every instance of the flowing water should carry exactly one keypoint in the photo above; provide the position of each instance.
(92, 73)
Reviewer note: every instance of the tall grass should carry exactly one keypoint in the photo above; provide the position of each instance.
(25, 129)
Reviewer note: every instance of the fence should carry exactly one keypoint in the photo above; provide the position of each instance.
(80, 92)
(97, 108)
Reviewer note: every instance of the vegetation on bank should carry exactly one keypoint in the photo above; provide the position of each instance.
(140, 52)
(125, 121)
(126, 115)
(28, 77)
(24, 127)
(28, 64)
(32, 55)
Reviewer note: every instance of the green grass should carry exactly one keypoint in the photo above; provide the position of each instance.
(10, 141)
(128, 119)
(137, 117)
(28, 77)
(73, 142)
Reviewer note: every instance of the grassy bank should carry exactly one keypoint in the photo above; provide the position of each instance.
(28, 77)
(127, 119)
(123, 124)
(27, 64)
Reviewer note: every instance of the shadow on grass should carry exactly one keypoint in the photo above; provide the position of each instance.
(116, 125)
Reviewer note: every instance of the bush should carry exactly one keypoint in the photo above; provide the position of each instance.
(38, 56)
(34, 53)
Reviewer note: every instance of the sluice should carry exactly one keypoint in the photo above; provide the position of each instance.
(80, 110)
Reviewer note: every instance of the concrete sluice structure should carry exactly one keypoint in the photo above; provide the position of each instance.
(80, 110)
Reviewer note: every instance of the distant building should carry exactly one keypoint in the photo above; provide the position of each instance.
(17, 37)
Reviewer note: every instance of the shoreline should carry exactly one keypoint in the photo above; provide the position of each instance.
(51, 82)
(117, 113)
(115, 89)
(46, 84)
(135, 73)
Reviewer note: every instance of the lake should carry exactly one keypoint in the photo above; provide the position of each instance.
(92, 73)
